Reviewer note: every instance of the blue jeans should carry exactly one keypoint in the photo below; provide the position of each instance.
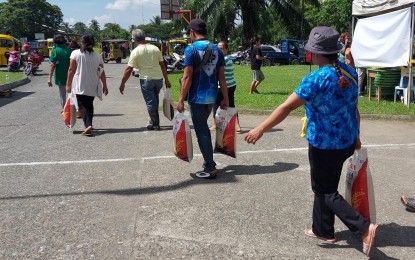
(151, 90)
(200, 114)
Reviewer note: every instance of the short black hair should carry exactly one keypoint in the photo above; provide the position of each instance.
(59, 39)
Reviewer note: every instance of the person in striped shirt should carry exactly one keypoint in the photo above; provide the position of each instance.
(230, 83)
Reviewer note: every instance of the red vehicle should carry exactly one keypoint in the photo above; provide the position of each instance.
(32, 60)
(308, 57)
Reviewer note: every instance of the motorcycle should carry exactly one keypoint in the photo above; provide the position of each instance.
(176, 61)
(13, 64)
(33, 62)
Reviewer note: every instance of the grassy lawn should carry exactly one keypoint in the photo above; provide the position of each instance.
(280, 82)
(13, 76)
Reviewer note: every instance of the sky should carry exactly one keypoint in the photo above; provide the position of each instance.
(122, 12)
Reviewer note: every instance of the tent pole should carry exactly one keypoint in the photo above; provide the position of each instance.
(410, 79)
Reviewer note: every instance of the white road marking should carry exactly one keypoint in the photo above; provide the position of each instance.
(142, 159)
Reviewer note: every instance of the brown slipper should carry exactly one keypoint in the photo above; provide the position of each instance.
(87, 132)
(367, 248)
(310, 233)
(409, 203)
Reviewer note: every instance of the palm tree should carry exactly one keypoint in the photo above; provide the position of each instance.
(94, 25)
(79, 27)
(66, 27)
(291, 15)
(156, 20)
(221, 14)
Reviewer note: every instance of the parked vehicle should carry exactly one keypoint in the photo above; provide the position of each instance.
(50, 45)
(288, 52)
(174, 56)
(113, 50)
(14, 61)
(240, 57)
(175, 62)
(7, 44)
(292, 52)
(176, 46)
(41, 46)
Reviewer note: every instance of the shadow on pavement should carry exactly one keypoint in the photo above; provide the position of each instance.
(225, 175)
(258, 169)
(16, 96)
(387, 235)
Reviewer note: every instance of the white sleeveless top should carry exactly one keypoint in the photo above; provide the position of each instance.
(86, 80)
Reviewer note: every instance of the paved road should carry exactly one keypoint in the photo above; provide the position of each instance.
(123, 195)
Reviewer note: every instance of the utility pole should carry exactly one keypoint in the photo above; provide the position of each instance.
(302, 20)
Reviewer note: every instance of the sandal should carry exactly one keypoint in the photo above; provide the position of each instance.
(207, 174)
(367, 248)
(310, 233)
(410, 203)
(87, 132)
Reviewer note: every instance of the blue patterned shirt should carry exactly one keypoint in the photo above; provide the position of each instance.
(331, 112)
(204, 86)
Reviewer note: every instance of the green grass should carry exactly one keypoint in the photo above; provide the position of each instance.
(280, 82)
(13, 76)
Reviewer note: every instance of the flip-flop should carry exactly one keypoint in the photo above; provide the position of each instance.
(410, 203)
(310, 233)
(206, 174)
(367, 248)
(89, 133)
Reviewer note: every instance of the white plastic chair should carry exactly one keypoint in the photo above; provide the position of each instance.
(403, 85)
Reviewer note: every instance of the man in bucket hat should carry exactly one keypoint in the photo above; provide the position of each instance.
(204, 67)
(329, 96)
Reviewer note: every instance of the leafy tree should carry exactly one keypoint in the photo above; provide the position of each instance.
(24, 18)
(114, 31)
(333, 13)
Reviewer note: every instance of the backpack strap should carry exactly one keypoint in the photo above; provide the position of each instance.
(206, 56)
(347, 74)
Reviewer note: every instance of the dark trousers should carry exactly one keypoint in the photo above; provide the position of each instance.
(219, 98)
(326, 167)
(86, 108)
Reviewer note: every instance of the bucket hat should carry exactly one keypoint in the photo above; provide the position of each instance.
(323, 40)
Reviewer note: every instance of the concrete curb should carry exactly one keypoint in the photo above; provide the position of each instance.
(363, 116)
(14, 84)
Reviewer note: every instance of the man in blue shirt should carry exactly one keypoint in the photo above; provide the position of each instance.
(201, 86)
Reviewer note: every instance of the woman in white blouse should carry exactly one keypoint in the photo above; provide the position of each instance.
(86, 78)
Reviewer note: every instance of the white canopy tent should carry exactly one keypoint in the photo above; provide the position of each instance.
(383, 34)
